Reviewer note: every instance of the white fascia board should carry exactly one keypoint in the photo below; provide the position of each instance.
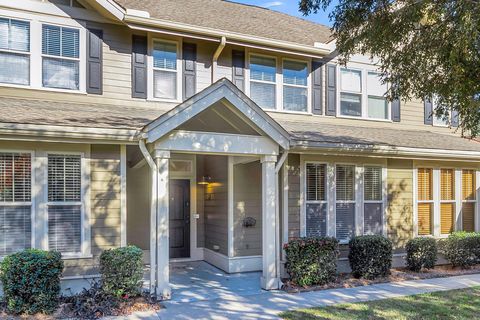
(217, 143)
(68, 132)
(379, 150)
(112, 7)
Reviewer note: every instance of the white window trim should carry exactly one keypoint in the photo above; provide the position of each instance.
(364, 93)
(32, 188)
(84, 202)
(436, 179)
(151, 69)
(36, 22)
(279, 81)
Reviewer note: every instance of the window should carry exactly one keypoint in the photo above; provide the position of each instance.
(68, 3)
(425, 201)
(295, 86)
(377, 105)
(316, 199)
(15, 202)
(351, 92)
(165, 70)
(64, 203)
(469, 200)
(14, 51)
(60, 57)
(262, 81)
(345, 202)
(447, 201)
(373, 200)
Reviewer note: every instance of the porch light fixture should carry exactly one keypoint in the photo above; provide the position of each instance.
(205, 180)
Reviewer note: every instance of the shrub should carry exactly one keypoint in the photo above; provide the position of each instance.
(462, 249)
(312, 261)
(31, 281)
(370, 256)
(421, 253)
(122, 271)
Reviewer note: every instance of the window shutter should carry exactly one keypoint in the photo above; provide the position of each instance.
(238, 62)
(15, 206)
(396, 115)
(139, 67)
(455, 119)
(428, 111)
(317, 107)
(189, 69)
(95, 61)
(64, 207)
(331, 90)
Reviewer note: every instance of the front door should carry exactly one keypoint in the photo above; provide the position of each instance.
(179, 218)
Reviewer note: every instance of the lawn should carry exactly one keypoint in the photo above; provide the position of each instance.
(455, 304)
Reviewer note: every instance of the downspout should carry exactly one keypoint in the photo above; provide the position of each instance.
(217, 53)
(153, 216)
(279, 165)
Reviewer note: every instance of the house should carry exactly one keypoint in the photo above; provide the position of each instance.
(209, 130)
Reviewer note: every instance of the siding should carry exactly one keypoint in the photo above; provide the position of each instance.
(400, 202)
(247, 202)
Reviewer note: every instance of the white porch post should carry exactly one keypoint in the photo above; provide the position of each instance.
(163, 272)
(270, 280)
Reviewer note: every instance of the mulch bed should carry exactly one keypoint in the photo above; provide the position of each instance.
(345, 280)
(127, 307)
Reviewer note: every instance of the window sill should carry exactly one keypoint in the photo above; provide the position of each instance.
(77, 256)
(288, 111)
(19, 86)
(363, 118)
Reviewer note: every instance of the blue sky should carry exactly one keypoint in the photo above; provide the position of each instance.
(290, 7)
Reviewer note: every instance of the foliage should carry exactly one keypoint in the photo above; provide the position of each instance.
(462, 249)
(427, 48)
(312, 261)
(454, 304)
(421, 253)
(31, 281)
(370, 256)
(122, 271)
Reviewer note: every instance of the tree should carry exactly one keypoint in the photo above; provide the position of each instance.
(428, 48)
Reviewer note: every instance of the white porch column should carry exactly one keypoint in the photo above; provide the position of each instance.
(163, 273)
(269, 280)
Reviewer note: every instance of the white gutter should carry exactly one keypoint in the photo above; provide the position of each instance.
(278, 166)
(217, 53)
(153, 217)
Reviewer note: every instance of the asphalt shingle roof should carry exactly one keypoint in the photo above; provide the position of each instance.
(234, 17)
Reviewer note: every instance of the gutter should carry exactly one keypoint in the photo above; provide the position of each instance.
(153, 217)
(216, 55)
(278, 166)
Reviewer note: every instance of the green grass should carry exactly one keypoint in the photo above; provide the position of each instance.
(455, 304)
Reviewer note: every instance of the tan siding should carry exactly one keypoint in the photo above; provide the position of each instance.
(247, 202)
(400, 202)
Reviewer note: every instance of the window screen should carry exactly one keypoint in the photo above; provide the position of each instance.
(345, 202)
(295, 94)
(165, 70)
(14, 51)
(373, 200)
(316, 182)
(262, 81)
(447, 201)
(468, 200)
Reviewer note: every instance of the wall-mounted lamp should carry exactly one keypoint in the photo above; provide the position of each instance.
(205, 180)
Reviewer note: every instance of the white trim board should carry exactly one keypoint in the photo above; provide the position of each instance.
(233, 264)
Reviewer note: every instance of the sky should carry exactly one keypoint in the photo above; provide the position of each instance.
(289, 7)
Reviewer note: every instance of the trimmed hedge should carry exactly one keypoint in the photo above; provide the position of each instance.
(421, 253)
(370, 256)
(312, 261)
(31, 281)
(462, 249)
(122, 271)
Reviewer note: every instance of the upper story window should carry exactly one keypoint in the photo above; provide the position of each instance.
(14, 51)
(295, 86)
(165, 71)
(263, 80)
(60, 57)
(362, 94)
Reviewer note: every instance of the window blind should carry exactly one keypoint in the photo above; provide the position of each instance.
(14, 46)
(468, 216)
(425, 184)
(165, 55)
(372, 184)
(468, 200)
(316, 182)
(64, 209)
(447, 198)
(373, 196)
(15, 202)
(345, 198)
(425, 212)
(468, 184)
(345, 221)
(425, 198)
(345, 183)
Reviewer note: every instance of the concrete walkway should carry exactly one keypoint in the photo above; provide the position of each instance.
(268, 305)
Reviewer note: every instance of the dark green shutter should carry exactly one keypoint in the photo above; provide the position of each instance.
(238, 64)
(428, 111)
(94, 61)
(189, 70)
(331, 90)
(317, 107)
(139, 67)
